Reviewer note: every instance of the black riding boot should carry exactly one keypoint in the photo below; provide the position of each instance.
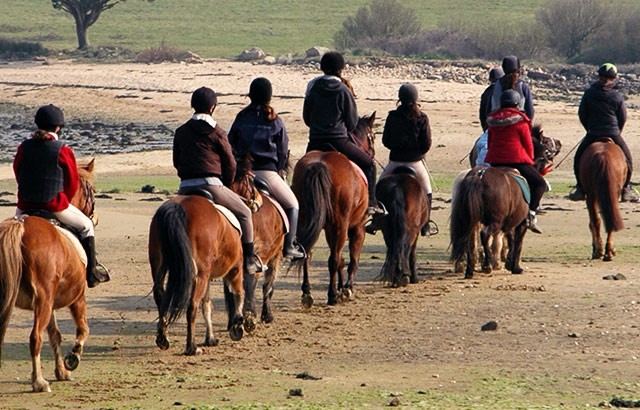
(374, 208)
(248, 259)
(96, 273)
(290, 249)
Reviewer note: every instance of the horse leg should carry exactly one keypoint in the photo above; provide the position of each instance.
(250, 282)
(516, 254)
(487, 262)
(412, 262)
(55, 341)
(207, 308)
(197, 294)
(307, 299)
(234, 295)
(356, 241)
(499, 251)
(472, 254)
(336, 239)
(42, 312)
(594, 226)
(610, 250)
(158, 294)
(79, 314)
(267, 292)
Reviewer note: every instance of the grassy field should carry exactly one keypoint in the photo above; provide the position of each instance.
(226, 27)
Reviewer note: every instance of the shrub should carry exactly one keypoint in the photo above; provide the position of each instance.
(10, 49)
(618, 41)
(159, 54)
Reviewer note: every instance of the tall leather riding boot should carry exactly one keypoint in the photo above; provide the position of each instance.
(425, 230)
(95, 274)
(374, 207)
(290, 250)
(248, 259)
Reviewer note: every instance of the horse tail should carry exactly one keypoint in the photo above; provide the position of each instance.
(466, 212)
(171, 220)
(315, 204)
(396, 233)
(11, 262)
(608, 194)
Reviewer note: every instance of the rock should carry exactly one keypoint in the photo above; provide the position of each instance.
(395, 402)
(269, 60)
(489, 326)
(316, 51)
(539, 75)
(251, 54)
(296, 393)
(617, 276)
(285, 59)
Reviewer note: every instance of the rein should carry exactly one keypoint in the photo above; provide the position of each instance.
(249, 193)
(88, 206)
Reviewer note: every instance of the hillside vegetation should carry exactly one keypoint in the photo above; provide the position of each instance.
(224, 28)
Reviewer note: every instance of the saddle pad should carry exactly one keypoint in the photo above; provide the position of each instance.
(524, 186)
(285, 220)
(230, 216)
(75, 243)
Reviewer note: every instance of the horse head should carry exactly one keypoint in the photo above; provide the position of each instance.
(545, 149)
(363, 134)
(85, 197)
(243, 183)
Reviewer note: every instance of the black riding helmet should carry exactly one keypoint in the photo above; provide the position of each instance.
(509, 98)
(48, 117)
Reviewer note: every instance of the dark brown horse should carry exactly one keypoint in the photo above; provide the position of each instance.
(333, 196)
(41, 270)
(603, 170)
(406, 202)
(190, 243)
(268, 233)
(488, 202)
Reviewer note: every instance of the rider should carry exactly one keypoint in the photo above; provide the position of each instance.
(47, 176)
(495, 74)
(204, 159)
(603, 114)
(259, 132)
(512, 81)
(510, 145)
(331, 114)
(407, 134)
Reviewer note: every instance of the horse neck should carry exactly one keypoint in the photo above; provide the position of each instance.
(84, 198)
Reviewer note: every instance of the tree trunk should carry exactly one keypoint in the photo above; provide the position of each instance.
(81, 32)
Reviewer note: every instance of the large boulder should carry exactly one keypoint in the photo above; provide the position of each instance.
(251, 54)
(316, 51)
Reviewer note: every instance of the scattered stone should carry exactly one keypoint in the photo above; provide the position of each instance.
(395, 402)
(285, 59)
(316, 51)
(489, 326)
(153, 199)
(307, 376)
(616, 402)
(251, 54)
(617, 276)
(296, 393)
(148, 189)
(574, 335)
(269, 60)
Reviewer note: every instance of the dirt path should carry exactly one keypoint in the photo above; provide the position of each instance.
(566, 338)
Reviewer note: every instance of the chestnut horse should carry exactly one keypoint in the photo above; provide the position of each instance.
(488, 202)
(268, 234)
(406, 202)
(603, 170)
(41, 270)
(190, 243)
(333, 196)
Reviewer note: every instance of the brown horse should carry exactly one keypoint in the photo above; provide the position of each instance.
(333, 197)
(603, 170)
(487, 202)
(191, 243)
(406, 202)
(41, 270)
(268, 233)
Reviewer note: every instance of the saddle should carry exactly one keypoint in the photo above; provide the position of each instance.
(519, 179)
(65, 230)
(207, 195)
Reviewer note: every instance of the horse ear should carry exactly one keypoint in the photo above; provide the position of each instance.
(372, 119)
(90, 165)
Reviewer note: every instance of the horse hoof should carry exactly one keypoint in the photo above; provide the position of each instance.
(307, 300)
(236, 332)
(517, 271)
(71, 361)
(347, 294)
(249, 323)
(41, 386)
(211, 342)
(162, 342)
(266, 316)
(607, 258)
(403, 282)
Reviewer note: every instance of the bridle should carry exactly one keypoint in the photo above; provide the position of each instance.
(249, 193)
(88, 205)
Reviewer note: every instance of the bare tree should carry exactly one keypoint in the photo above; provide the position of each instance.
(85, 13)
(572, 22)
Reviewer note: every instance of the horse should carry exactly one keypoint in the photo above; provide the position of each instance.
(191, 242)
(489, 212)
(268, 232)
(41, 269)
(333, 196)
(603, 170)
(406, 203)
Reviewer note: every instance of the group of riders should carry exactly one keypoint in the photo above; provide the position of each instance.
(205, 156)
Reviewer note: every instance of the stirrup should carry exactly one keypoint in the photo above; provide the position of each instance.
(429, 229)
(297, 247)
(629, 194)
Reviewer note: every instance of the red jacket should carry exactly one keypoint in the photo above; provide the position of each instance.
(66, 161)
(509, 138)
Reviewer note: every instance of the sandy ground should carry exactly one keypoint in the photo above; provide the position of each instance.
(566, 338)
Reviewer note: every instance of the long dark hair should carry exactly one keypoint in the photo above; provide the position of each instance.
(266, 110)
(508, 81)
(412, 108)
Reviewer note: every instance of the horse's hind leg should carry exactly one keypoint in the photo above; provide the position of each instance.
(234, 297)
(42, 313)
(597, 247)
(267, 291)
(337, 240)
(55, 341)
(198, 292)
(412, 263)
(516, 250)
(250, 283)
(207, 308)
(79, 314)
(472, 254)
(610, 249)
(158, 294)
(307, 299)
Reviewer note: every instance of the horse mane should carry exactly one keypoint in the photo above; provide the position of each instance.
(244, 167)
